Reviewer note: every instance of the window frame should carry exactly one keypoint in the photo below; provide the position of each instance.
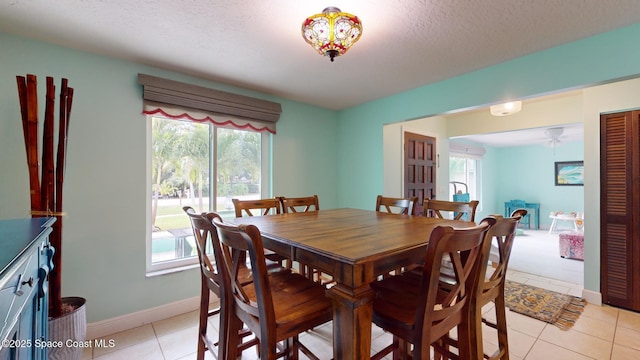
(478, 171)
(176, 265)
(469, 152)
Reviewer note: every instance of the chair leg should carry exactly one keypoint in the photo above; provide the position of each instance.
(501, 328)
(291, 348)
(202, 323)
(403, 352)
(501, 322)
(232, 335)
(468, 336)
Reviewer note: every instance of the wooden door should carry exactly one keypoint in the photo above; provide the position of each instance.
(620, 209)
(419, 167)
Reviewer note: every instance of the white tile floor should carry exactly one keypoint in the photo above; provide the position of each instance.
(601, 332)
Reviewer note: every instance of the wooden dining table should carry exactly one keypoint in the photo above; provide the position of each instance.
(354, 246)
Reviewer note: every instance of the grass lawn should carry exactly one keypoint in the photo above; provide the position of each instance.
(171, 216)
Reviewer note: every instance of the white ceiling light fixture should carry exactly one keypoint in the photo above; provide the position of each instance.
(505, 109)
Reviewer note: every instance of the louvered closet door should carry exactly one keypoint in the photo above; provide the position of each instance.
(620, 209)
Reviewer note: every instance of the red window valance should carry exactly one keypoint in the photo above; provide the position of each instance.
(183, 101)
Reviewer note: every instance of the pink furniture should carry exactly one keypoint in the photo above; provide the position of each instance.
(572, 245)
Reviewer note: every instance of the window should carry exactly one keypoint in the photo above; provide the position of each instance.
(206, 146)
(186, 158)
(464, 170)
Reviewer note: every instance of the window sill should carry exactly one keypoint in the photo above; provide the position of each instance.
(176, 269)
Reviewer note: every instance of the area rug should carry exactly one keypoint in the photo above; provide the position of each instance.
(552, 307)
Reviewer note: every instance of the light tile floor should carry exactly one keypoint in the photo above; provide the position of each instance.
(601, 332)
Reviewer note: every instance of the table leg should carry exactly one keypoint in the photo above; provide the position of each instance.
(352, 315)
(554, 224)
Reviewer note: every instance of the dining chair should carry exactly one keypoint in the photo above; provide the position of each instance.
(415, 310)
(396, 205)
(491, 288)
(458, 210)
(521, 204)
(299, 204)
(262, 207)
(275, 307)
(494, 254)
(305, 205)
(520, 212)
(206, 237)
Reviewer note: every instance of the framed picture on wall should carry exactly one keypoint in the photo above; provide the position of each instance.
(569, 173)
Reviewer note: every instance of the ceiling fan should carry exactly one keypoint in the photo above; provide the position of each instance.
(553, 135)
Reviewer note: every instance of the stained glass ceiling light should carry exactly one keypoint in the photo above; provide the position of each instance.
(332, 32)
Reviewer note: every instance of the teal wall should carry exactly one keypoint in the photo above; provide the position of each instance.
(106, 174)
(527, 173)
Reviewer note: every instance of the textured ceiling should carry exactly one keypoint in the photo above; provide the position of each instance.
(257, 44)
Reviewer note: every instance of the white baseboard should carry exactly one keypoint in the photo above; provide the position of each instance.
(125, 322)
(129, 321)
(592, 297)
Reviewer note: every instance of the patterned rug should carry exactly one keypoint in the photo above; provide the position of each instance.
(552, 307)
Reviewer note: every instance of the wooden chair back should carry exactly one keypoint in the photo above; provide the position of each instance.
(501, 234)
(275, 307)
(396, 205)
(491, 287)
(260, 207)
(205, 233)
(520, 212)
(521, 205)
(414, 307)
(213, 280)
(299, 204)
(247, 239)
(441, 312)
(457, 209)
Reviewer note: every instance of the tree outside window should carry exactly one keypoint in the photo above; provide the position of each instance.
(186, 157)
